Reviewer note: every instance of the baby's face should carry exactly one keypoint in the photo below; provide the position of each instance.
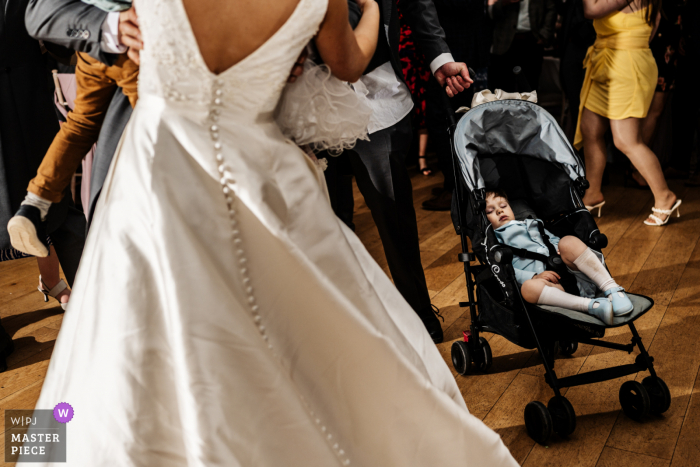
(498, 211)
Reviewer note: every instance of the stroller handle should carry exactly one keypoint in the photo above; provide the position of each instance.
(447, 105)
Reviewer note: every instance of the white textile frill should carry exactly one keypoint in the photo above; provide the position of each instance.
(323, 112)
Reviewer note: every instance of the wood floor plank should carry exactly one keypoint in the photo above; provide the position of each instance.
(676, 350)
(618, 458)
(687, 450)
(663, 263)
(481, 391)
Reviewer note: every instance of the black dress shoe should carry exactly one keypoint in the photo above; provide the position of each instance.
(437, 191)
(27, 233)
(6, 348)
(442, 202)
(6, 352)
(431, 322)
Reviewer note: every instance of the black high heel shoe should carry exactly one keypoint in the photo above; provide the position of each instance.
(427, 171)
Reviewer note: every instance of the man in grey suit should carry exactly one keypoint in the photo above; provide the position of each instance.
(379, 165)
(521, 30)
(86, 28)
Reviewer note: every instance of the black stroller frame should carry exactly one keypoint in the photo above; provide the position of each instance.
(637, 399)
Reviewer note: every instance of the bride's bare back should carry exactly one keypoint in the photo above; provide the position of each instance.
(229, 31)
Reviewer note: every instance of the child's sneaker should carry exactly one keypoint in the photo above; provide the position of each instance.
(621, 303)
(602, 309)
(27, 231)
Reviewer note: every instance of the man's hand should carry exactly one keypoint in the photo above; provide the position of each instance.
(549, 276)
(130, 34)
(454, 76)
(298, 67)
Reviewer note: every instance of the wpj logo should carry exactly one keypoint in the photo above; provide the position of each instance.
(37, 436)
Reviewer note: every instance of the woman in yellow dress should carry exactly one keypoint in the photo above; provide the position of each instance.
(618, 89)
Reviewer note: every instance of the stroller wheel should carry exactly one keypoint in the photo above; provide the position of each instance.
(568, 348)
(538, 422)
(563, 415)
(659, 395)
(461, 357)
(634, 400)
(486, 359)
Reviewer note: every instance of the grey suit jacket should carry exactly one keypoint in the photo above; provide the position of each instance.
(543, 16)
(77, 25)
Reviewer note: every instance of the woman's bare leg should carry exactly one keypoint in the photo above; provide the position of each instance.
(628, 139)
(48, 268)
(650, 121)
(422, 148)
(649, 127)
(593, 129)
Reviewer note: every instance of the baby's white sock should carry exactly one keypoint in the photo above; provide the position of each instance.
(38, 202)
(555, 297)
(589, 264)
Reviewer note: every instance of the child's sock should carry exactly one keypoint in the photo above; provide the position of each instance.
(555, 297)
(38, 202)
(589, 264)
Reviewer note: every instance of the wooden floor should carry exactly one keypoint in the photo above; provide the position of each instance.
(663, 263)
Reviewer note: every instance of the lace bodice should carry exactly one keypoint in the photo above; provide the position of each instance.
(172, 66)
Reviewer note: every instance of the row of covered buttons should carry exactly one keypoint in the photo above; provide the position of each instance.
(78, 33)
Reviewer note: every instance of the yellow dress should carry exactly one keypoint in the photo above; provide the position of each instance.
(621, 73)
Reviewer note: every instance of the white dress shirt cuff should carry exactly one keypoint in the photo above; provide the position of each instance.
(110, 35)
(439, 61)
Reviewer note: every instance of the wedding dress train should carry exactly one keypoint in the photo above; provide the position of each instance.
(222, 315)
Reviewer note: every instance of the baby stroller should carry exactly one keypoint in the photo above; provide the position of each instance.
(517, 147)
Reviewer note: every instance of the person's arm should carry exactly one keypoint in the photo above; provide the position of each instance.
(593, 9)
(345, 51)
(497, 9)
(549, 22)
(68, 23)
(422, 17)
(656, 27)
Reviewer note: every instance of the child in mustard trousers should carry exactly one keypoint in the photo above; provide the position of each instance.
(96, 84)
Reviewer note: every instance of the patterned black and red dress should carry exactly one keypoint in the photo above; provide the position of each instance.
(416, 72)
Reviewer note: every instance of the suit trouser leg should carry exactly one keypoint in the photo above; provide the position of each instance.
(68, 241)
(339, 182)
(380, 171)
(686, 103)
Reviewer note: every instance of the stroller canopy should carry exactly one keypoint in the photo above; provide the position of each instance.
(511, 127)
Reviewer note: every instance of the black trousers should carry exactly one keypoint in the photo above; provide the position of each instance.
(686, 104)
(379, 166)
(524, 52)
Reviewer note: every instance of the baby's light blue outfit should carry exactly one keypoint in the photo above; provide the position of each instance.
(526, 235)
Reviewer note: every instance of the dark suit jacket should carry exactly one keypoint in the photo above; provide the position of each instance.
(468, 30)
(427, 32)
(543, 16)
(77, 25)
(28, 121)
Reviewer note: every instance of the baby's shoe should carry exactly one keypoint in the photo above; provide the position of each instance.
(602, 309)
(621, 303)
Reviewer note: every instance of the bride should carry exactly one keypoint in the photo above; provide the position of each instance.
(222, 315)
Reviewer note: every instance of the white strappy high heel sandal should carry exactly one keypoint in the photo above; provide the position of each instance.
(657, 220)
(599, 206)
(60, 287)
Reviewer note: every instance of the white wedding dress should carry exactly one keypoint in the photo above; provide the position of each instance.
(222, 315)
